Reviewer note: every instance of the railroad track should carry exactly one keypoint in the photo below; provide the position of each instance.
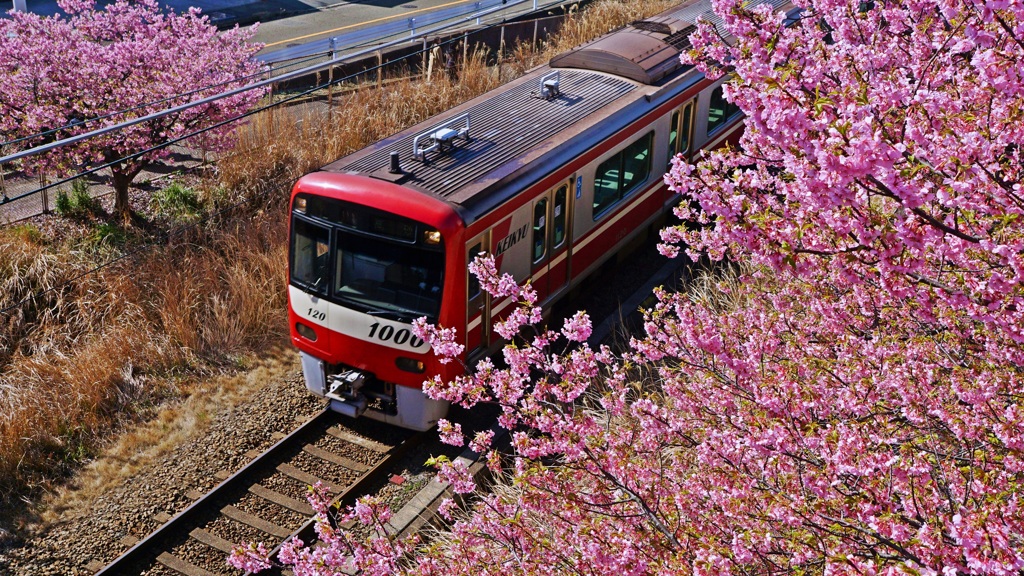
(264, 501)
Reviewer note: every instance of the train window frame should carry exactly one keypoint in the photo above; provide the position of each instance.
(673, 133)
(317, 287)
(473, 288)
(617, 162)
(558, 217)
(682, 129)
(540, 230)
(729, 110)
(369, 254)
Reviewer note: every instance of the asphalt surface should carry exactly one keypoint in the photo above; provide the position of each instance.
(284, 23)
(281, 24)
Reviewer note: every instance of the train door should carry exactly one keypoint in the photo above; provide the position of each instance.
(681, 131)
(478, 318)
(549, 254)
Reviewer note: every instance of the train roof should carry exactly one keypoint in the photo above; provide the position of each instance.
(498, 137)
(503, 125)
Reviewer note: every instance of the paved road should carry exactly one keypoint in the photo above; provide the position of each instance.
(285, 23)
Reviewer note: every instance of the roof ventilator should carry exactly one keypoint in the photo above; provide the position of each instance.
(549, 85)
(441, 137)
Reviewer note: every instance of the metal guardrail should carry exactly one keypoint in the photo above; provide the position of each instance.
(397, 27)
(20, 198)
(335, 60)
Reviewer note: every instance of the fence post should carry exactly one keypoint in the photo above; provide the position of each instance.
(501, 51)
(270, 74)
(330, 77)
(380, 68)
(423, 58)
(3, 182)
(45, 193)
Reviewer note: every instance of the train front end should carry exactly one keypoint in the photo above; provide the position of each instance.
(366, 258)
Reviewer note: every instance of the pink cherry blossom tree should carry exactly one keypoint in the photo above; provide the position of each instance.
(63, 76)
(882, 146)
(849, 401)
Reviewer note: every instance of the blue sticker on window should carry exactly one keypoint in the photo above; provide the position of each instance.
(579, 186)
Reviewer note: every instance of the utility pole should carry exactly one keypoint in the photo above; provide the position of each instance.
(21, 5)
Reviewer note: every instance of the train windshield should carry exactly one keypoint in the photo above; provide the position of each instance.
(367, 259)
(388, 278)
(310, 255)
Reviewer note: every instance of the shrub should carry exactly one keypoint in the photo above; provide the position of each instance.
(177, 202)
(79, 203)
(27, 233)
(106, 238)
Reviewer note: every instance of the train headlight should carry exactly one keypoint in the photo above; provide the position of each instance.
(300, 205)
(305, 331)
(410, 365)
(432, 237)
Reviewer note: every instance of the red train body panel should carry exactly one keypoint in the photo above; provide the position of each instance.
(552, 174)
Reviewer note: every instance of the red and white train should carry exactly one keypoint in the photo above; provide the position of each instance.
(552, 174)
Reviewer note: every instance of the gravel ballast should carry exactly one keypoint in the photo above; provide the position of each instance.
(78, 532)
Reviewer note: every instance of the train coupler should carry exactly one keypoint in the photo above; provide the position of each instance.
(345, 394)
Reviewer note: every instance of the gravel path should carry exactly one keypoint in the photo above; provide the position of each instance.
(82, 529)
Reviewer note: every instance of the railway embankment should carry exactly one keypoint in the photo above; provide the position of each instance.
(164, 465)
(115, 339)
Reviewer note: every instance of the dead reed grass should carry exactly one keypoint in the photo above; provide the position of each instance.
(81, 358)
(600, 18)
(105, 349)
(267, 153)
(222, 294)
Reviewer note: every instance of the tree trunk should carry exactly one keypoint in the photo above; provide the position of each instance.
(123, 175)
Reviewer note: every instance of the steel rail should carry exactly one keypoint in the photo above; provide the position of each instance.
(143, 550)
(348, 497)
(146, 551)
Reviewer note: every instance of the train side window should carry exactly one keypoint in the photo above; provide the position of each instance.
(683, 142)
(619, 175)
(636, 164)
(606, 183)
(473, 283)
(719, 110)
(673, 134)
(558, 216)
(540, 212)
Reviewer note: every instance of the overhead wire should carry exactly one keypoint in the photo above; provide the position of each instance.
(144, 105)
(195, 225)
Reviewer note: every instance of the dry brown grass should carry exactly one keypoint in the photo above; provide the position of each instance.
(105, 348)
(220, 293)
(266, 152)
(84, 357)
(600, 18)
(176, 423)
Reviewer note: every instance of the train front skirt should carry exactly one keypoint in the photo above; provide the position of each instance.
(403, 406)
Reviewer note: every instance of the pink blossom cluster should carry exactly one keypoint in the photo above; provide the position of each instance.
(443, 341)
(844, 397)
(882, 146)
(98, 67)
(339, 551)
